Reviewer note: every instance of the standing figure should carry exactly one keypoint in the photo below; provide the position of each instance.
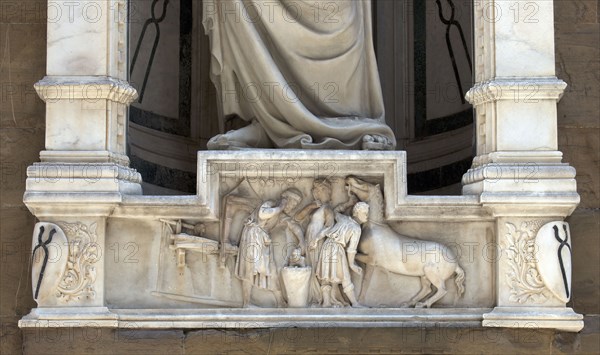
(303, 74)
(293, 229)
(337, 257)
(321, 217)
(255, 265)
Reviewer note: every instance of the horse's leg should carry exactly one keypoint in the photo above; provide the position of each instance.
(366, 281)
(424, 291)
(438, 282)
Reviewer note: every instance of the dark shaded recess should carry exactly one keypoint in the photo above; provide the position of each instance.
(175, 125)
(158, 122)
(439, 177)
(185, 63)
(448, 123)
(423, 126)
(165, 177)
(186, 181)
(420, 67)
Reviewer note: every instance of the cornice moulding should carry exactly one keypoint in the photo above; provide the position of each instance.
(88, 88)
(518, 90)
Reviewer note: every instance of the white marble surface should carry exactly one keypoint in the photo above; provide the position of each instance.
(523, 38)
(554, 245)
(87, 38)
(287, 166)
(137, 252)
(140, 279)
(48, 263)
(259, 318)
(560, 318)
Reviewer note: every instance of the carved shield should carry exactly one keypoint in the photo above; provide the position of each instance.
(553, 244)
(50, 253)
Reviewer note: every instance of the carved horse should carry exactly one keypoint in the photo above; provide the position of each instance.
(380, 246)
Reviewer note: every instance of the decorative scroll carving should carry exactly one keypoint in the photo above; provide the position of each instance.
(80, 275)
(524, 280)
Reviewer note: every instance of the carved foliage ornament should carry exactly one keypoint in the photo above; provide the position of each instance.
(525, 281)
(79, 276)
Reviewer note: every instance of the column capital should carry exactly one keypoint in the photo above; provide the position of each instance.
(527, 90)
(85, 87)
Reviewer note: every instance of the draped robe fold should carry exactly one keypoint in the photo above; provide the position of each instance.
(305, 70)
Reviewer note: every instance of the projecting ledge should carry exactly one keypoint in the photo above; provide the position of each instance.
(264, 318)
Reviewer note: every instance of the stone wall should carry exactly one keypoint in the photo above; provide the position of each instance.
(578, 63)
(22, 62)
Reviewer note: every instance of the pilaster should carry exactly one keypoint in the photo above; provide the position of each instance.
(68, 270)
(518, 173)
(86, 94)
(84, 170)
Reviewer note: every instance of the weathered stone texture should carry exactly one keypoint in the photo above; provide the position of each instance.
(11, 337)
(585, 342)
(579, 11)
(19, 148)
(15, 282)
(369, 340)
(578, 63)
(102, 341)
(581, 149)
(15, 248)
(585, 233)
(313, 341)
(22, 63)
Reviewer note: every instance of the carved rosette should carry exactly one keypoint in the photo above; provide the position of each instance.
(525, 282)
(80, 275)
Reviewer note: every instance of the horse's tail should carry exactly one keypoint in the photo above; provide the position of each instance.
(459, 280)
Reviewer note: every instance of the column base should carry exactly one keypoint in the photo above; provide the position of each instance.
(62, 317)
(509, 182)
(88, 177)
(560, 318)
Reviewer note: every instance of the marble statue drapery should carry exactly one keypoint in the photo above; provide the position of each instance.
(303, 72)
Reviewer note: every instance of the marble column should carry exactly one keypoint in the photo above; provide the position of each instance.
(84, 170)
(86, 94)
(518, 173)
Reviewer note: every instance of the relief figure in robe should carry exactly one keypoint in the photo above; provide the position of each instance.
(255, 265)
(337, 256)
(321, 216)
(303, 74)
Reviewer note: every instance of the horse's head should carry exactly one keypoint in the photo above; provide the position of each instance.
(369, 193)
(360, 188)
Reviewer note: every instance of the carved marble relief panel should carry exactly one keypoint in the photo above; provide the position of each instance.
(299, 242)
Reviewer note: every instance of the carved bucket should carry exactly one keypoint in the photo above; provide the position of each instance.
(296, 282)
